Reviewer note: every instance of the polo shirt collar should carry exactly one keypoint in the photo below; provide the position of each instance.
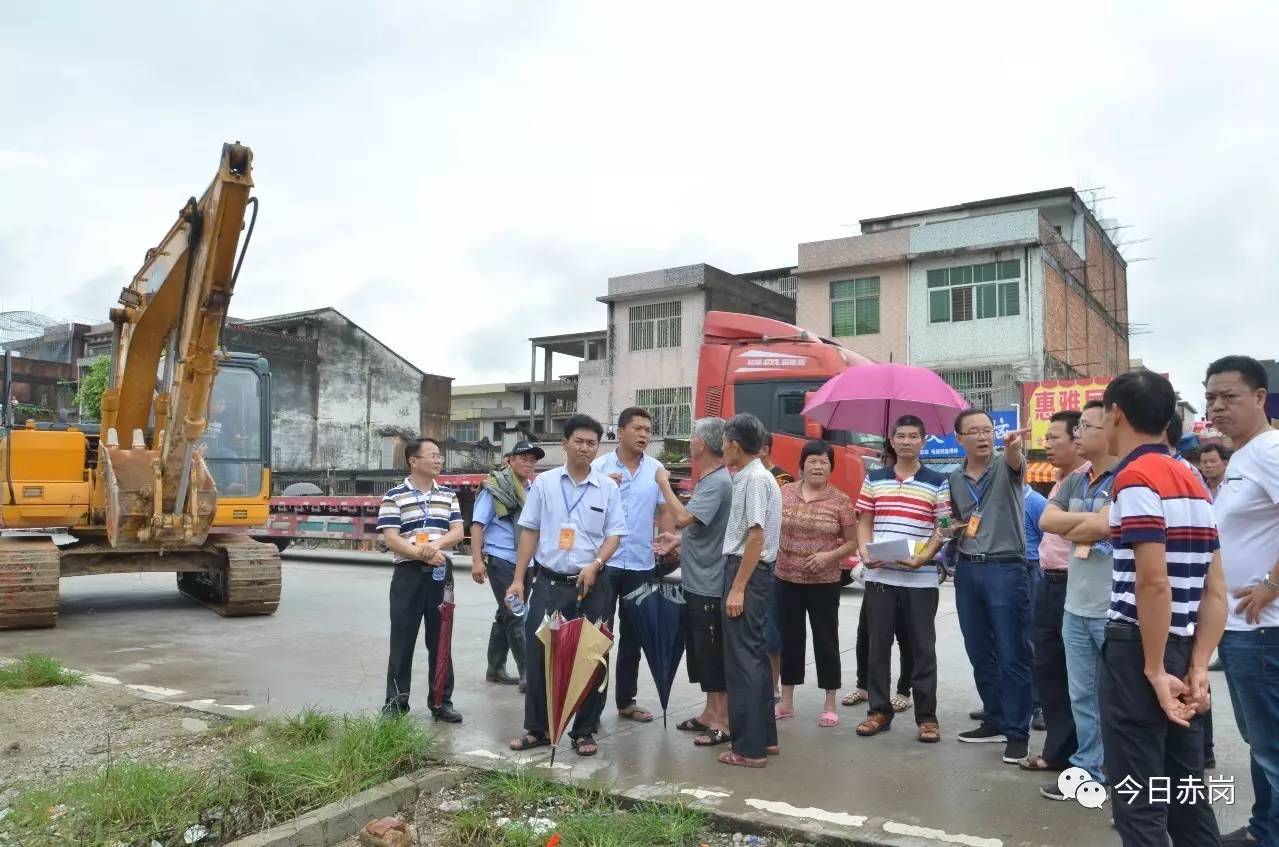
(1140, 451)
(408, 481)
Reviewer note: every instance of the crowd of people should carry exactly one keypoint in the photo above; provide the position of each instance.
(1092, 614)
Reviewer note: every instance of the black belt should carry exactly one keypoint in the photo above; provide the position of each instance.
(562, 578)
(1124, 631)
(992, 558)
(1055, 576)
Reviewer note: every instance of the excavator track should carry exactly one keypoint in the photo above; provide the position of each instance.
(29, 572)
(247, 582)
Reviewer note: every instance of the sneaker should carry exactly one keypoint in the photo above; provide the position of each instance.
(1051, 791)
(1037, 721)
(1015, 751)
(985, 734)
(978, 715)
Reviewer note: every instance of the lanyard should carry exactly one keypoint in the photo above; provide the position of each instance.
(976, 491)
(564, 494)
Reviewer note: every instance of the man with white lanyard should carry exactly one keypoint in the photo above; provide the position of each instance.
(992, 585)
(573, 523)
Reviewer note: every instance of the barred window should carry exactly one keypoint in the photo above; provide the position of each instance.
(671, 408)
(969, 292)
(854, 307)
(655, 325)
(466, 431)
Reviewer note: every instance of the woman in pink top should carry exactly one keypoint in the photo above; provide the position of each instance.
(819, 529)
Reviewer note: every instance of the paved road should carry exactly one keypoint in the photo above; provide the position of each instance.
(327, 646)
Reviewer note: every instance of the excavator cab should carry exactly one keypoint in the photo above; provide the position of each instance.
(237, 443)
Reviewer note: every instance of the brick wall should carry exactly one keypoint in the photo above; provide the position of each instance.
(1080, 302)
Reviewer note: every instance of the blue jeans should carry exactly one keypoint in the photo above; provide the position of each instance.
(1083, 638)
(1251, 660)
(1036, 576)
(993, 601)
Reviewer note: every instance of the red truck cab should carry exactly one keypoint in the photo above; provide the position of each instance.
(767, 368)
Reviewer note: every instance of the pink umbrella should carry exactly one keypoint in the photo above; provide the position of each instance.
(868, 398)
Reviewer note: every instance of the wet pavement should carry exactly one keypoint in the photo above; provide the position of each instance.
(327, 647)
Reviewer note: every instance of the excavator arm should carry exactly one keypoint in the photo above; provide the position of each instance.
(154, 487)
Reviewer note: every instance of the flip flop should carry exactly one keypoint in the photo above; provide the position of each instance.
(779, 715)
(728, 757)
(827, 720)
(692, 725)
(530, 742)
(635, 713)
(1037, 763)
(711, 738)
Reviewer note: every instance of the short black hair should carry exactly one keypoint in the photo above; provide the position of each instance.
(411, 448)
(1147, 399)
(816, 447)
(768, 440)
(1249, 369)
(747, 431)
(632, 412)
(1094, 404)
(1069, 416)
(1220, 449)
(577, 422)
(909, 420)
(1175, 430)
(968, 413)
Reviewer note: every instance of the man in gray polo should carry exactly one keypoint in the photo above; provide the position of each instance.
(992, 584)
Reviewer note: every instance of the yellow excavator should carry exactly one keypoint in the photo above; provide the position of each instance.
(178, 470)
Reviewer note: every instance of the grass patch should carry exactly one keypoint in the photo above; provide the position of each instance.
(36, 671)
(297, 765)
(583, 817)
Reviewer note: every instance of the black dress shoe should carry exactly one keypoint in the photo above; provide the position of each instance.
(447, 713)
(391, 711)
(1037, 721)
(979, 715)
(501, 677)
(1241, 837)
(523, 686)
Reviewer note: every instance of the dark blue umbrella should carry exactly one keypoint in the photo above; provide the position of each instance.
(656, 611)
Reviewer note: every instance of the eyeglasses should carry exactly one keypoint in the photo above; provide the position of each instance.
(986, 431)
(1082, 426)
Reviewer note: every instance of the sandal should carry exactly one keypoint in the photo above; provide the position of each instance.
(692, 725)
(874, 724)
(929, 733)
(636, 714)
(1037, 763)
(774, 750)
(530, 741)
(827, 720)
(901, 702)
(728, 757)
(857, 695)
(711, 738)
(585, 745)
(779, 715)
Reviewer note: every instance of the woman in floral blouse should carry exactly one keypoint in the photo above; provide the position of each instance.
(819, 529)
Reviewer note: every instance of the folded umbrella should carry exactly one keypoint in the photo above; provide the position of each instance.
(656, 611)
(574, 654)
(869, 398)
(444, 649)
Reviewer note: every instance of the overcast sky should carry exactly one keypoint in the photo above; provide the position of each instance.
(456, 177)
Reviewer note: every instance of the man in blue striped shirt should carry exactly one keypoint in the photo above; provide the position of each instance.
(419, 520)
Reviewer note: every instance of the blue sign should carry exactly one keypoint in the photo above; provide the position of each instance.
(947, 446)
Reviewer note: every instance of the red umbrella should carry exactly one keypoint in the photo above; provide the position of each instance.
(574, 655)
(443, 649)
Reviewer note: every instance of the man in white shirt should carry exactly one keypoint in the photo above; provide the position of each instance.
(1247, 513)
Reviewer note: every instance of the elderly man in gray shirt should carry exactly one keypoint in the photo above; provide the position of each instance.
(992, 583)
(701, 560)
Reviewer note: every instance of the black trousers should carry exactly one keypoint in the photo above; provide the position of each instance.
(903, 648)
(1050, 669)
(508, 630)
(884, 605)
(746, 666)
(549, 597)
(1144, 750)
(820, 605)
(623, 582)
(704, 642)
(415, 597)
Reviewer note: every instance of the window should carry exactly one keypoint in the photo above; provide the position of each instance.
(655, 325)
(854, 307)
(468, 431)
(787, 286)
(671, 408)
(974, 292)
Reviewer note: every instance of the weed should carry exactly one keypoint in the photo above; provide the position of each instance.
(309, 726)
(239, 727)
(36, 671)
(523, 788)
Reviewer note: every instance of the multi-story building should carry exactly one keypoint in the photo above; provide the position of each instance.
(989, 294)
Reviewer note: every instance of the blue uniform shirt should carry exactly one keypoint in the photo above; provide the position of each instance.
(1035, 505)
(640, 499)
(593, 509)
(499, 533)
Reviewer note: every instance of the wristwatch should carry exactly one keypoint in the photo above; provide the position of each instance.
(597, 561)
(1270, 583)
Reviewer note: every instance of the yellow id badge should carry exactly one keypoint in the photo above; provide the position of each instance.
(1083, 551)
(974, 523)
(568, 535)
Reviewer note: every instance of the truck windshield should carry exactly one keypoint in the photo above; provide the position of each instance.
(233, 441)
